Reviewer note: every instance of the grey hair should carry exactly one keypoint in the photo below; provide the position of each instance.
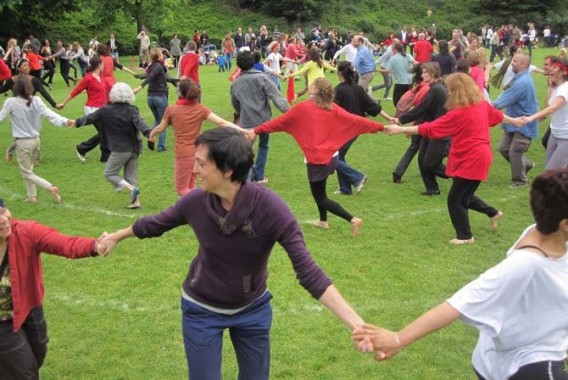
(121, 93)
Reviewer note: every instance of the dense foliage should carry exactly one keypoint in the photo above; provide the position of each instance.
(81, 19)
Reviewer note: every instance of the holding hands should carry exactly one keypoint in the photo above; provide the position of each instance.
(70, 123)
(106, 243)
(394, 129)
(372, 338)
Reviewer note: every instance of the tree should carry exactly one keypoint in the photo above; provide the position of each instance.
(21, 17)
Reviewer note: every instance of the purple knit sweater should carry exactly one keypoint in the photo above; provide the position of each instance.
(230, 269)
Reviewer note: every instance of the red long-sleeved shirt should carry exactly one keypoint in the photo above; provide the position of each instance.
(97, 93)
(189, 66)
(5, 72)
(320, 132)
(35, 61)
(27, 241)
(470, 151)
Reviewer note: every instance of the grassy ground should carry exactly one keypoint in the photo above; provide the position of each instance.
(119, 318)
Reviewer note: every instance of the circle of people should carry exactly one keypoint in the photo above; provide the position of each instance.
(444, 96)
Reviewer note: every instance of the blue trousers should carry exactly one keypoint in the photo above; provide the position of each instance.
(249, 331)
(158, 105)
(261, 157)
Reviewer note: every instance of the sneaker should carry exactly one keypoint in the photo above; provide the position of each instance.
(79, 155)
(261, 181)
(359, 188)
(517, 185)
(339, 192)
(430, 193)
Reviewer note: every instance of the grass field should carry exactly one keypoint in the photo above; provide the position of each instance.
(119, 318)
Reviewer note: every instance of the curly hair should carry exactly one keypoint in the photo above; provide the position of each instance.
(121, 93)
(549, 200)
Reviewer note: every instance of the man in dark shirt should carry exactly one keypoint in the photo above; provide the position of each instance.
(237, 224)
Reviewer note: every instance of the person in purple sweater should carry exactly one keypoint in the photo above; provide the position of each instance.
(237, 224)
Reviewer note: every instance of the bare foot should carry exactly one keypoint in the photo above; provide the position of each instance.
(319, 224)
(30, 200)
(495, 220)
(356, 225)
(55, 192)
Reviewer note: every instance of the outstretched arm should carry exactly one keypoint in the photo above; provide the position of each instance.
(107, 243)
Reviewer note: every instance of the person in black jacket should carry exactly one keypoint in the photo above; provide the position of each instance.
(354, 99)
(431, 153)
(120, 125)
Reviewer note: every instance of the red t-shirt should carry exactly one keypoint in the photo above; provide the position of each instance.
(470, 151)
(186, 120)
(189, 66)
(423, 51)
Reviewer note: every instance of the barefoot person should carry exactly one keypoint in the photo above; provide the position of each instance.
(26, 111)
(236, 223)
(23, 331)
(320, 128)
(519, 306)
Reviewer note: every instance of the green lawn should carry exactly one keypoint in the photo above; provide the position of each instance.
(119, 318)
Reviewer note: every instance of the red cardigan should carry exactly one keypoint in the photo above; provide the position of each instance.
(319, 132)
(27, 241)
(470, 150)
(97, 92)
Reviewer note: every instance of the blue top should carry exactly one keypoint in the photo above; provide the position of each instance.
(364, 62)
(520, 100)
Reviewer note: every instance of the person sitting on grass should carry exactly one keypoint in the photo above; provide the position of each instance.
(519, 306)
(120, 125)
(236, 224)
(23, 331)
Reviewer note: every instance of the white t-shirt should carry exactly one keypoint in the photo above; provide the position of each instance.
(519, 307)
(559, 119)
(274, 62)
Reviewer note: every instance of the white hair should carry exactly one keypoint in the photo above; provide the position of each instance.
(121, 93)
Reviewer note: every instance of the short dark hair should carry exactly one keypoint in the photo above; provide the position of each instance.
(245, 60)
(102, 50)
(230, 151)
(549, 200)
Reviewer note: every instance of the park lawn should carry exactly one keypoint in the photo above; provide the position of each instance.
(119, 317)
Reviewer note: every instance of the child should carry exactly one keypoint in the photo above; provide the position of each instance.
(221, 62)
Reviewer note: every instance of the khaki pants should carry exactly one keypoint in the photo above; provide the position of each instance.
(26, 150)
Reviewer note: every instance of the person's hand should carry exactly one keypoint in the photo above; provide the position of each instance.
(60, 106)
(385, 342)
(152, 136)
(395, 120)
(137, 89)
(519, 121)
(393, 129)
(250, 135)
(70, 123)
(106, 243)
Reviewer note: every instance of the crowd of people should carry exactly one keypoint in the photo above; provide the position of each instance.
(440, 87)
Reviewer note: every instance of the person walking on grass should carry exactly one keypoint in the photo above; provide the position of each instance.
(186, 118)
(26, 112)
(467, 123)
(119, 124)
(320, 128)
(23, 330)
(519, 306)
(236, 224)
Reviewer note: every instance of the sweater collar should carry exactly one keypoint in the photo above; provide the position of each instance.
(239, 216)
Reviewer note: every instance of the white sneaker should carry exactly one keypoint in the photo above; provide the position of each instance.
(80, 156)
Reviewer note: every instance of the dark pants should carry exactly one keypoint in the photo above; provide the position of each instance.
(49, 68)
(64, 67)
(545, 138)
(398, 91)
(538, 371)
(461, 198)
(90, 144)
(325, 204)
(431, 155)
(406, 159)
(22, 353)
(249, 330)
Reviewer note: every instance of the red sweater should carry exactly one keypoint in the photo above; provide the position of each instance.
(35, 61)
(27, 241)
(319, 132)
(97, 94)
(189, 66)
(470, 151)
(5, 72)
(423, 51)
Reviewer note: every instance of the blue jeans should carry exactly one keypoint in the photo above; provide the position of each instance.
(228, 62)
(249, 330)
(346, 174)
(158, 105)
(261, 157)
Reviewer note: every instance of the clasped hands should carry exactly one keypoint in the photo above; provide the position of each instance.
(370, 338)
(105, 244)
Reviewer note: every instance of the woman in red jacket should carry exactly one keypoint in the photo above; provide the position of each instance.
(320, 128)
(467, 122)
(23, 331)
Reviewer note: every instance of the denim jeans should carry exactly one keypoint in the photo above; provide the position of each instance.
(22, 353)
(261, 157)
(158, 105)
(228, 63)
(347, 176)
(249, 330)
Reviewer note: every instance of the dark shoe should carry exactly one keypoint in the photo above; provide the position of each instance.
(430, 193)
(151, 145)
(396, 178)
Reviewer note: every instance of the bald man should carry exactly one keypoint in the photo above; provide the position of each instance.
(423, 49)
(518, 99)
